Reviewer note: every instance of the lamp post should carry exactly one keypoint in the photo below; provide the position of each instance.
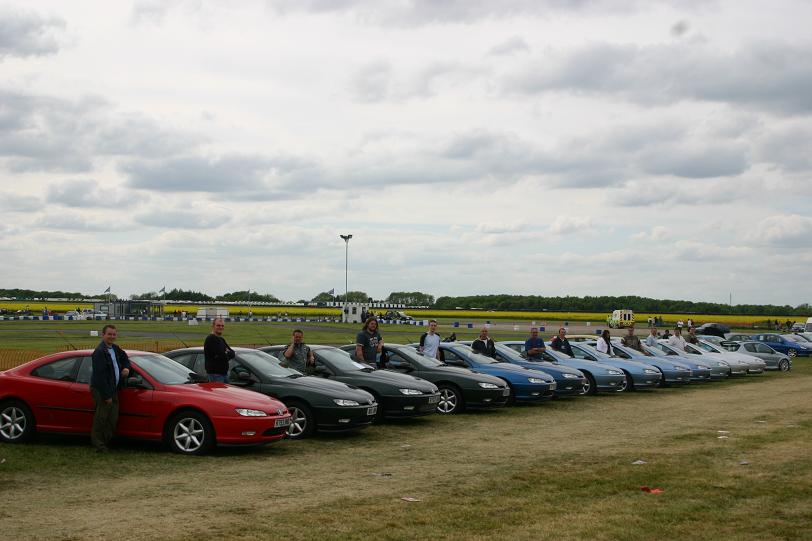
(346, 273)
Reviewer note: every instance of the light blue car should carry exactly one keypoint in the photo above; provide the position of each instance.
(640, 375)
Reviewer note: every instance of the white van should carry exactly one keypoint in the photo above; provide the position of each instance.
(809, 324)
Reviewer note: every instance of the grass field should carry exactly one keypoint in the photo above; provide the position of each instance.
(561, 470)
(443, 315)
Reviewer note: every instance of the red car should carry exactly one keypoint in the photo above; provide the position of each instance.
(163, 400)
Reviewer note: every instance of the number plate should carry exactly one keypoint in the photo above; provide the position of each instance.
(372, 411)
(282, 422)
(506, 392)
(434, 399)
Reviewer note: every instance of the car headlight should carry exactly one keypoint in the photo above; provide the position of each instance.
(486, 385)
(571, 376)
(250, 413)
(650, 371)
(342, 402)
(614, 372)
(702, 367)
(409, 391)
(536, 380)
(723, 363)
(680, 367)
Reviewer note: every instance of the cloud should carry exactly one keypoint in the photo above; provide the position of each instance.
(497, 228)
(680, 28)
(377, 81)
(567, 225)
(763, 76)
(787, 230)
(81, 193)
(24, 34)
(173, 218)
(82, 223)
(658, 233)
(513, 45)
(712, 160)
(12, 202)
(372, 82)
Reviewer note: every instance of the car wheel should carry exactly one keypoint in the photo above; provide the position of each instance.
(450, 400)
(627, 385)
(190, 433)
(302, 422)
(16, 422)
(783, 365)
(590, 387)
(792, 352)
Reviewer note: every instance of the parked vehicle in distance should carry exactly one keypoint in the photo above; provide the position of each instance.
(315, 404)
(398, 316)
(738, 337)
(526, 385)
(639, 375)
(773, 359)
(620, 319)
(715, 329)
(804, 335)
(783, 344)
(460, 388)
(162, 400)
(397, 395)
(568, 381)
(674, 370)
(600, 377)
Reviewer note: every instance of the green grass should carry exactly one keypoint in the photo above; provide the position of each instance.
(561, 470)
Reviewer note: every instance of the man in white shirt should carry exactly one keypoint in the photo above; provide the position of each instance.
(430, 342)
(677, 341)
(651, 339)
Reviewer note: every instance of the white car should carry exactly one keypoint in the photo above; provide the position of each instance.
(754, 364)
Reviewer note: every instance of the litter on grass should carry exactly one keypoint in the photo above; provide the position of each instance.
(638, 462)
(723, 431)
(382, 474)
(722, 437)
(743, 463)
(652, 490)
(410, 499)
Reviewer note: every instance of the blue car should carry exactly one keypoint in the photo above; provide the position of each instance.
(640, 375)
(600, 377)
(784, 344)
(673, 371)
(568, 381)
(526, 385)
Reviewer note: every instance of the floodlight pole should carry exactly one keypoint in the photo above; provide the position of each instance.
(346, 273)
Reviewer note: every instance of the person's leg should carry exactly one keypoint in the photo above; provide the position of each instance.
(98, 433)
(219, 378)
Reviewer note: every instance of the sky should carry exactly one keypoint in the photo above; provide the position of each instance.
(546, 147)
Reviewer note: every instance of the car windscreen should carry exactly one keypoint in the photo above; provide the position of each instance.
(656, 351)
(163, 369)
(412, 355)
(467, 352)
(266, 364)
(707, 347)
(341, 360)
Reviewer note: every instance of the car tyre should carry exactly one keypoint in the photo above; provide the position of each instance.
(190, 433)
(792, 352)
(16, 422)
(450, 400)
(590, 388)
(628, 384)
(302, 421)
(783, 365)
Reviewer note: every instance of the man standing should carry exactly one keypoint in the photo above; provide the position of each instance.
(534, 346)
(299, 356)
(631, 340)
(651, 339)
(217, 352)
(369, 344)
(692, 339)
(484, 344)
(560, 343)
(110, 369)
(430, 341)
(677, 341)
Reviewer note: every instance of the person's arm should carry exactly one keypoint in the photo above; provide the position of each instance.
(422, 342)
(288, 353)
(124, 362)
(380, 344)
(311, 359)
(359, 346)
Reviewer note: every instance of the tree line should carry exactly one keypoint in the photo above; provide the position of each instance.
(606, 304)
(198, 296)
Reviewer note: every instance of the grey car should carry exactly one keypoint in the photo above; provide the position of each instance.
(773, 359)
(639, 375)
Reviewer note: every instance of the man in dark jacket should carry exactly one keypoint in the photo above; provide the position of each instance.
(484, 344)
(110, 370)
(217, 353)
(560, 342)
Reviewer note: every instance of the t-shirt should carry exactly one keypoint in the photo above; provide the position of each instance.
(369, 343)
(677, 342)
(430, 343)
(297, 361)
(532, 343)
(632, 342)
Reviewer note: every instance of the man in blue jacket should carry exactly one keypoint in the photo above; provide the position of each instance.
(110, 370)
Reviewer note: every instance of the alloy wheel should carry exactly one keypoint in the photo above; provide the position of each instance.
(298, 422)
(189, 435)
(12, 423)
(448, 401)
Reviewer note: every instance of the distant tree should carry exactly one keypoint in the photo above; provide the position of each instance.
(175, 295)
(355, 296)
(244, 296)
(324, 296)
(411, 298)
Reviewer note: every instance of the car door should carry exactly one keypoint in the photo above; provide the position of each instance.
(80, 391)
(136, 412)
(57, 405)
(398, 363)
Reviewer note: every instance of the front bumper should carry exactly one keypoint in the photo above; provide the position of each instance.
(569, 387)
(250, 430)
(398, 406)
(485, 398)
(677, 377)
(534, 392)
(608, 383)
(699, 375)
(339, 419)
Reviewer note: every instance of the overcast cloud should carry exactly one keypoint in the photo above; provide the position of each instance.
(558, 147)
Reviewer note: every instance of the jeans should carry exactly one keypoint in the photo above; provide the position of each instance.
(105, 419)
(220, 378)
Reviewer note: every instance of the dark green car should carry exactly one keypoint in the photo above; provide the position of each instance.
(314, 403)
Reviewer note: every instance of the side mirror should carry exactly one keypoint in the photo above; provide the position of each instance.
(400, 365)
(244, 376)
(322, 371)
(137, 382)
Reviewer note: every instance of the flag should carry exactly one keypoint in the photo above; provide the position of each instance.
(332, 291)
(163, 290)
(107, 290)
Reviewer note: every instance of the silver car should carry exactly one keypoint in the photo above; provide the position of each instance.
(754, 364)
(773, 359)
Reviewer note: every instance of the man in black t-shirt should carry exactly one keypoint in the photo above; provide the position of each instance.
(368, 343)
(560, 342)
(217, 353)
(484, 344)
